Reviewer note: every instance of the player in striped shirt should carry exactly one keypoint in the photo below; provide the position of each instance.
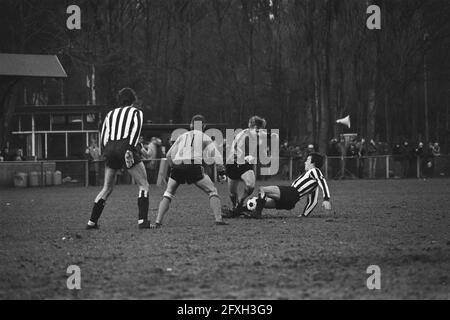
(286, 197)
(185, 158)
(120, 135)
(240, 165)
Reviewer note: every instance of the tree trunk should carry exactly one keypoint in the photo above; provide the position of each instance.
(425, 93)
(387, 118)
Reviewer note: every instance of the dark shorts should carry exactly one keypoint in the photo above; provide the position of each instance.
(288, 198)
(115, 154)
(235, 171)
(187, 173)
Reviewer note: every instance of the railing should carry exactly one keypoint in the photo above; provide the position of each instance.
(387, 167)
(369, 167)
(91, 173)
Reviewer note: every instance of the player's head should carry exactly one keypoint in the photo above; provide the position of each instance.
(314, 160)
(126, 97)
(198, 118)
(257, 123)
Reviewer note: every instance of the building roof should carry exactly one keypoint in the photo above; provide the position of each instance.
(31, 65)
(60, 109)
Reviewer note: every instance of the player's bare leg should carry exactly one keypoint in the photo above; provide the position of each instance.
(139, 175)
(208, 187)
(249, 179)
(164, 205)
(270, 192)
(100, 200)
(233, 186)
(233, 190)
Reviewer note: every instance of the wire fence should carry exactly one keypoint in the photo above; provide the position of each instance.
(370, 167)
(386, 167)
(91, 173)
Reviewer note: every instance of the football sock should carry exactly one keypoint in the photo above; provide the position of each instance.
(242, 205)
(97, 210)
(261, 202)
(214, 202)
(233, 198)
(143, 204)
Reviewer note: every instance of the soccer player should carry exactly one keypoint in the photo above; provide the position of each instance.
(185, 158)
(243, 173)
(307, 184)
(120, 135)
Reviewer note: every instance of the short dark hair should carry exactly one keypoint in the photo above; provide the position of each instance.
(126, 97)
(257, 121)
(200, 118)
(317, 159)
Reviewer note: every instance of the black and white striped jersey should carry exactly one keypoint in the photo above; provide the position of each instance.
(309, 181)
(123, 123)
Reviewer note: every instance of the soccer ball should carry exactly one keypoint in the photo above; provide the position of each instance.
(251, 204)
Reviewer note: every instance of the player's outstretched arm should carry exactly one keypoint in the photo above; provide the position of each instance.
(322, 182)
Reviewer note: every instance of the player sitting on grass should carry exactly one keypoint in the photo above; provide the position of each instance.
(286, 197)
(185, 158)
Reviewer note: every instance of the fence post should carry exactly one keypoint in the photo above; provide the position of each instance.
(387, 167)
(418, 167)
(42, 174)
(290, 168)
(86, 173)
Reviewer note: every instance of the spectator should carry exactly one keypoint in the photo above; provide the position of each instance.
(436, 149)
(406, 153)
(429, 161)
(19, 155)
(334, 162)
(372, 153)
(140, 146)
(284, 160)
(297, 152)
(5, 154)
(342, 154)
(1, 159)
(361, 147)
(310, 150)
(419, 153)
(144, 151)
(352, 153)
(153, 154)
(92, 154)
(397, 153)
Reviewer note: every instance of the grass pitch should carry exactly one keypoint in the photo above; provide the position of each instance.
(403, 226)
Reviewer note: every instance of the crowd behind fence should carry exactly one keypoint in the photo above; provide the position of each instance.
(371, 167)
(91, 173)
